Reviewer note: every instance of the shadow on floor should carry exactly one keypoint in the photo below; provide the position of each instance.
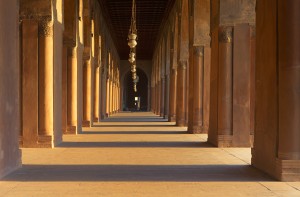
(163, 144)
(130, 125)
(112, 173)
(134, 132)
(134, 119)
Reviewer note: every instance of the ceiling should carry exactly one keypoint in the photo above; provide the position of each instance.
(150, 15)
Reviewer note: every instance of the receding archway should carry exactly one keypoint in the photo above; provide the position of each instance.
(129, 95)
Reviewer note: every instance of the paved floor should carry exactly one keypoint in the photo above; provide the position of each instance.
(139, 154)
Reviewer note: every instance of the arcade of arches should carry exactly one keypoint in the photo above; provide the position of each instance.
(228, 68)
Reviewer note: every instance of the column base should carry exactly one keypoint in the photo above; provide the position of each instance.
(42, 141)
(86, 123)
(172, 118)
(166, 116)
(197, 130)
(96, 119)
(181, 123)
(71, 130)
(231, 141)
(221, 141)
(287, 170)
(45, 141)
(20, 141)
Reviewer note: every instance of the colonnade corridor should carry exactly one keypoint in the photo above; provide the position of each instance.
(140, 154)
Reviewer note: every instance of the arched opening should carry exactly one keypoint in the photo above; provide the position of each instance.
(135, 101)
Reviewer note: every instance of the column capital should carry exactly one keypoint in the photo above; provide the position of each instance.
(70, 42)
(46, 26)
(72, 51)
(183, 64)
(199, 51)
(86, 56)
(225, 34)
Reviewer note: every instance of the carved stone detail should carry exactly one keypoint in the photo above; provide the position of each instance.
(199, 50)
(86, 56)
(69, 42)
(45, 22)
(225, 34)
(72, 52)
(183, 65)
(46, 27)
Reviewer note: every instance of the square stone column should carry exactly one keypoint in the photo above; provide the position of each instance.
(277, 109)
(230, 92)
(199, 63)
(10, 98)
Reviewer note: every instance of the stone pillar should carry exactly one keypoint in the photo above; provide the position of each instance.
(152, 93)
(173, 71)
(103, 79)
(162, 95)
(167, 52)
(103, 92)
(117, 97)
(107, 96)
(110, 96)
(183, 47)
(162, 64)
(199, 65)
(181, 112)
(198, 89)
(113, 97)
(46, 82)
(225, 87)
(207, 89)
(167, 97)
(10, 98)
(277, 129)
(173, 88)
(158, 97)
(64, 88)
(289, 80)
(87, 87)
(96, 94)
(252, 78)
(72, 91)
(154, 88)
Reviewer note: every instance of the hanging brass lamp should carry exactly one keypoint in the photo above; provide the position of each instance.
(132, 35)
(131, 57)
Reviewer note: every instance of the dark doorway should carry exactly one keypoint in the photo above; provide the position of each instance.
(130, 97)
